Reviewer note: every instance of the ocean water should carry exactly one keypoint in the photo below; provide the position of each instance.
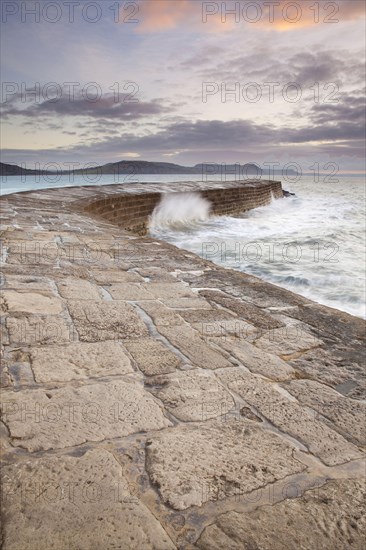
(312, 244)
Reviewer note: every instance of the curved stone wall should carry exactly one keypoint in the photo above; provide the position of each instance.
(131, 208)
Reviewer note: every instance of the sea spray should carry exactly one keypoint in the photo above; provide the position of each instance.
(312, 244)
(180, 210)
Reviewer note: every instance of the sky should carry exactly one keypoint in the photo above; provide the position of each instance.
(275, 83)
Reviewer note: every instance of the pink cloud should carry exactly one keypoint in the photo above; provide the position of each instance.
(281, 15)
(162, 15)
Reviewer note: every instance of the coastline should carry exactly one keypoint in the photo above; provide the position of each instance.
(203, 355)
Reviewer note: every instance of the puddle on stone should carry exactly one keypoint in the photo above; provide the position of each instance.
(345, 387)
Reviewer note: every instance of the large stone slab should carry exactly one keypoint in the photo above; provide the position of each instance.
(217, 330)
(245, 310)
(152, 356)
(79, 361)
(32, 302)
(39, 329)
(90, 254)
(341, 366)
(290, 417)
(288, 340)
(192, 464)
(77, 289)
(47, 271)
(330, 321)
(177, 295)
(76, 503)
(32, 253)
(157, 274)
(263, 294)
(192, 395)
(346, 414)
(257, 360)
(161, 315)
(108, 276)
(330, 517)
(206, 316)
(190, 344)
(53, 419)
(96, 321)
(5, 379)
(99, 261)
(129, 291)
(27, 282)
(187, 303)
(3, 305)
(165, 291)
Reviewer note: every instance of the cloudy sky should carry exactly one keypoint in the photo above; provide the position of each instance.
(184, 81)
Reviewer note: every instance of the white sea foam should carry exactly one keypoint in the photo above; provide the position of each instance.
(180, 210)
(312, 244)
(320, 216)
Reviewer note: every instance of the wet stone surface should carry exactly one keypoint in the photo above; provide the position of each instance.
(329, 517)
(153, 400)
(193, 464)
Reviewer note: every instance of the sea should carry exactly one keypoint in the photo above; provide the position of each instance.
(312, 242)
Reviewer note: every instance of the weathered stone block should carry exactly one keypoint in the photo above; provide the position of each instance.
(129, 291)
(76, 289)
(30, 330)
(152, 356)
(53, 419)
(192, 464)
(76, 503)
(332, 516)
(245, 310)
(32, 302)
(290, 417)
(346, 414)
(79, 361)
(257, 360)
(115, 276)
(161, 315)
(96, 321)
(192, 395)
(192, 346)
(288, 340)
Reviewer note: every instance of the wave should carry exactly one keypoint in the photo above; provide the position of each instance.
(180, 211)
(311, 244)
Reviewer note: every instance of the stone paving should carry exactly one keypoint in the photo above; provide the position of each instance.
(153, 400)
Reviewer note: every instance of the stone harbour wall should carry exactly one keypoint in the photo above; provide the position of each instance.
(131, 210)
(232, 201)
(151, 399)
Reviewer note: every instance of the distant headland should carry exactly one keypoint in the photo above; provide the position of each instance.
(133, 167)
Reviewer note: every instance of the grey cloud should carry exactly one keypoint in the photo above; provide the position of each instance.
(106, 107)
(341, 123)
(351, 110)
(269, 65)
(215, 136)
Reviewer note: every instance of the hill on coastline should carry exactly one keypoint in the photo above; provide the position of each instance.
(144, 167)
